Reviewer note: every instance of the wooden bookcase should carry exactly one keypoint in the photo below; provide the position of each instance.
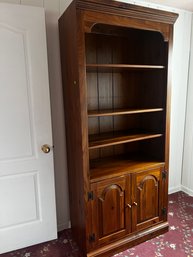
(116, 76)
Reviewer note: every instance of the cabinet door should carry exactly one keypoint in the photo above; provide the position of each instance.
(147, 196)
(110, 210)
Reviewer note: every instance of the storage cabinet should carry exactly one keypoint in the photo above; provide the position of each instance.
(127, 204)
(116, 76)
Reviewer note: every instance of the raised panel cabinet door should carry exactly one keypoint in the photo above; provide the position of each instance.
(110, 212)
(147, 204)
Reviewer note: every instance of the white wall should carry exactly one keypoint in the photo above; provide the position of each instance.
(187, 171)
(187, 5)
(54, 8)
(182, 37)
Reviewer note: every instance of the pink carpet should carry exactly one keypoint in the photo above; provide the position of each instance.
(178, 242)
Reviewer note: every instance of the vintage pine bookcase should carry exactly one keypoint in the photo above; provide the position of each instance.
(116, 68)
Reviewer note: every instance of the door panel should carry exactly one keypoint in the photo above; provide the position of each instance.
(110, 214)
(16, 123)
(148, 198)
(111, 210)
(27, 197)
(14, 189)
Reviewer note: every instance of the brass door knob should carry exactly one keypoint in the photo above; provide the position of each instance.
(45, 148)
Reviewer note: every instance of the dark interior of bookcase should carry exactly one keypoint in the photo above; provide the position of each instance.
(126, 93)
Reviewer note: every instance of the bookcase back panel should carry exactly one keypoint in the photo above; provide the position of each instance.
(127, 89)
(126, 71)
(111, 44)
(152, 149)
(150, 122)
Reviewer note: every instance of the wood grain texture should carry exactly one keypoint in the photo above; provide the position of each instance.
(148, 196)
(77, 182)
(128, 10)
(114, 112)
(109, 210)
(115, 138)
(127, 204)
(115, 74)
(120, 245)
(106, 67)
(114, 167)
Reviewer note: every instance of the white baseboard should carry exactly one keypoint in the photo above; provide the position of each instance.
(187, 190)
(181, 188)
(63, 226)
(175, 189)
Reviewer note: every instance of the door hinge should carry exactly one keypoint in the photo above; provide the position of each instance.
(91, 238)
(164, 211)
(90, 196)
(164, 174)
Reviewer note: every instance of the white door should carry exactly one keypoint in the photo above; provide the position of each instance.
(27, 198)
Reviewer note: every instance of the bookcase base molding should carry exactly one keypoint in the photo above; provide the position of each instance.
(129, 241)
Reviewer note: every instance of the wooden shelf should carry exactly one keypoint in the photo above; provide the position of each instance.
(110, 167)
(115, 138)
(121, 112)
(107, 67)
